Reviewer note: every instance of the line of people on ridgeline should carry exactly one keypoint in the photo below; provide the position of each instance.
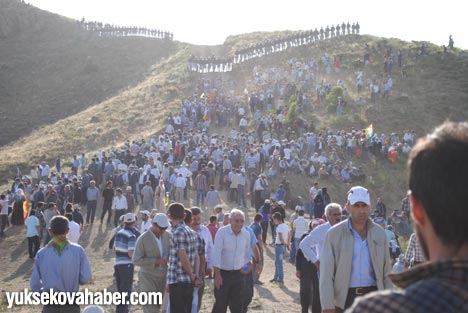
(110, 30)
(296, 39)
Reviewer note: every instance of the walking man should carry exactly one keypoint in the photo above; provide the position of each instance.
(311, 247)
(70, 269)
(355, 259)
(232, 245)
(438, 176)
(181, 273)
(125, 241)
(151, 254)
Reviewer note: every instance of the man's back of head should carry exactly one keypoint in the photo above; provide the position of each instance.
(438, 176)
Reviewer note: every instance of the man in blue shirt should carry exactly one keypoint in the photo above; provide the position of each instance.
(257, 229)
(60, 266)
(355, 259)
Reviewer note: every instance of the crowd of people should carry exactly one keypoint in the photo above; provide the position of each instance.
(179, 199)
(340, 256)
(261, 49)
(110, 30)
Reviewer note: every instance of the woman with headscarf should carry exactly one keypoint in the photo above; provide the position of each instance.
(17, 215)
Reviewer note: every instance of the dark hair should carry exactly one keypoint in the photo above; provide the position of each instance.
(51, 204)
(68, 208)
(438, 176)
(258, 217)
(300, 212)
(176, 210)
(32, 212)
(213, 218)
(58, 225)
(188, 216)
(69, 216)
(195, 211)
(277, 216)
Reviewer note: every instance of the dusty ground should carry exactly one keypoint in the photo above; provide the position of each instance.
(17, 268)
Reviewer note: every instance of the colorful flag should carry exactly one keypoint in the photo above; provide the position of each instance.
(369, 131)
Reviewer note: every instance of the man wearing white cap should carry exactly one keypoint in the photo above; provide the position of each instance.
(151, 254)
(124, 247)
(145, 221)
(355, 259)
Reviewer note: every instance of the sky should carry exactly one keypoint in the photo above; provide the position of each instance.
(209, 22)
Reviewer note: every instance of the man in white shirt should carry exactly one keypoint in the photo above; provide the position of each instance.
(299, 227)
(231, 246)
(119, 206)
(145, 221)
(74, 229)
(179, 184)
(33, 230)
(313, 193)
(311, 247)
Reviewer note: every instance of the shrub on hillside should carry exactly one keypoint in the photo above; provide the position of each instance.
(332, 98)
(336, 92)
(292, 114)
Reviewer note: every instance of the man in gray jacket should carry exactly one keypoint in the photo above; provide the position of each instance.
(355, 258)
(151, 254)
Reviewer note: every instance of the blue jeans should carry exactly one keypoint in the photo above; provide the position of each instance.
(294, 247)
(279, 252)
(200, 197)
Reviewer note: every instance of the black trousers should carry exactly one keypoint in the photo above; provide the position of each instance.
(264, 230)
(124, 279)
(33, 246)
(181, 297)
(117, 215)
(90, 211)
(106, 208)
(4, 221)
(230, 293)
(309, 289)
(247, 291)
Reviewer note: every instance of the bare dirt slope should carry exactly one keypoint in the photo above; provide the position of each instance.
(51, 69)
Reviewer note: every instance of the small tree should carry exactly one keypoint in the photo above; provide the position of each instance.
(336, 92)
(292, 114)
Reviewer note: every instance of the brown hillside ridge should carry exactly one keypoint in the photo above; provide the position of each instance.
(64, 92)
(51, 69)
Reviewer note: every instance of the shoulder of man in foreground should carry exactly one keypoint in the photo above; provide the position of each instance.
(424, 296)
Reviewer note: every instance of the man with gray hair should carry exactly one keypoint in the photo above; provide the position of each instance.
(230, 251)
(311, 247)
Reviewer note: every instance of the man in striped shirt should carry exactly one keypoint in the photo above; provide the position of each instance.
(125, 241)
(201, 187)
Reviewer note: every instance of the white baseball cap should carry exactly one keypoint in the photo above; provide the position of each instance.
(358, 194)
(145, 212)
(129, 218)
(161, 220)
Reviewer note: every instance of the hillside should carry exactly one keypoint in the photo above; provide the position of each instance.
(64, 91)
(51, 69)
(81, 93)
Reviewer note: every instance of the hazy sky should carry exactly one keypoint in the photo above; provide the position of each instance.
(210, 22)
